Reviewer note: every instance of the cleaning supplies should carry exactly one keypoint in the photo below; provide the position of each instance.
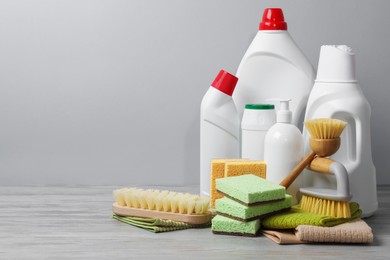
(157, 225)
(222, 225)
(297, 216)
(354, 232)
(219, 126)
(274, 66)
(218, 171)
(250, 190)
(222, 168)
(337, 94)
(238, 168)
(283, 149)
(169, 205)
(256, 121)
(324, 141)
(247, 199)
(233, 209)
(328, 202)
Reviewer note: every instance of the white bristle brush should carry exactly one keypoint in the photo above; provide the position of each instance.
(164, 204)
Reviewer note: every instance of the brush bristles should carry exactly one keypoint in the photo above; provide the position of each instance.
(165, 201)
(333, 208)
(325, 128)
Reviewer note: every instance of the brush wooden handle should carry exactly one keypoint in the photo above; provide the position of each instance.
(286, 182)
(145, 213)
(321, 165)
(328, 166)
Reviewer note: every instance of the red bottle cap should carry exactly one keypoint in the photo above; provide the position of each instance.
(225, 82)
(273, 19)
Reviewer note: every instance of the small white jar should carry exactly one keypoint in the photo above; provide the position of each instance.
(256, 121)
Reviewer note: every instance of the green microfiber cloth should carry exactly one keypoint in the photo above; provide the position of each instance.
(157, 225)
(296, 216)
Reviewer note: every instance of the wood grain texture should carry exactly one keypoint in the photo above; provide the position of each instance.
(290, 178)
(75, 223)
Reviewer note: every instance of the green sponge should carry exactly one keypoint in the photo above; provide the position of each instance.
(250, 189)
(233, 209)
(228, 226)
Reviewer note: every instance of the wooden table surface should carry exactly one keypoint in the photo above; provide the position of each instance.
(75, 222)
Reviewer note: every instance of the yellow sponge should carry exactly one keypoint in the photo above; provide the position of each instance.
(257, 168)
(218, 171)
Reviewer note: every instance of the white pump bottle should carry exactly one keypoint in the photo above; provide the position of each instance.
(283, 149)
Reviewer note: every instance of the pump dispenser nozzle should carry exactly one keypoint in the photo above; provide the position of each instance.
(284, 114)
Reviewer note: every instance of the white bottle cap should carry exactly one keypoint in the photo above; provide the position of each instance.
(284, 115)
(336, 64)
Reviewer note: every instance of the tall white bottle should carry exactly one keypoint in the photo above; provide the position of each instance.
(337, 94)
(274, 67)
(283, 150)
(219, 126)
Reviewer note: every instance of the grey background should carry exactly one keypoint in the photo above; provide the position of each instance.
(108, 92)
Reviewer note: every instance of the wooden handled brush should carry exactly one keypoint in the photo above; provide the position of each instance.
(170, 205)
(328, 202)
(325, 141)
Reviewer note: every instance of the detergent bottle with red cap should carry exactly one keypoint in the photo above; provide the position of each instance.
(219, 126)
(274, 67)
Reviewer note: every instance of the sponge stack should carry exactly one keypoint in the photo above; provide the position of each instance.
(218, 171)
(221, 168)
(247, 199)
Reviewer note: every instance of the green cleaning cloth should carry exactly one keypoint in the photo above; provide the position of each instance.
(157, 225)
(296, 216)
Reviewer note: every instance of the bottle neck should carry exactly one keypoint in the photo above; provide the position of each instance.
(218, 97)
(273, 31)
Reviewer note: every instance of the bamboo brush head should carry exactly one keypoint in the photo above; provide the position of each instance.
(325, 135)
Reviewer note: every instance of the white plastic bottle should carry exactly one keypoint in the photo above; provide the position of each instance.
(274, 67)
(256, 121)
(337, 94)
(283, 150)
(219, 126)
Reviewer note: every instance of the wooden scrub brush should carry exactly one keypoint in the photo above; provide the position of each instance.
(183, 207)
(325, 141)
(328, 202)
